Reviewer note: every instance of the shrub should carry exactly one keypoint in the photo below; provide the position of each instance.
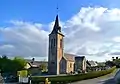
(72, 78)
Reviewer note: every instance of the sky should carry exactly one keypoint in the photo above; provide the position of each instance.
(91, 27)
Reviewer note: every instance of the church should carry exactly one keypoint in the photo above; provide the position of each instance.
(58, 61)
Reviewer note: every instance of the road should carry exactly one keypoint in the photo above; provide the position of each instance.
(107, 79)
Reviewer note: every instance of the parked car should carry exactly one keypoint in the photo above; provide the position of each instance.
(10, 79)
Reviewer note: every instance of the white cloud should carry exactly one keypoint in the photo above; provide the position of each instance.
(116, 39)
(94, 28)
(92, 32)
(27, 39)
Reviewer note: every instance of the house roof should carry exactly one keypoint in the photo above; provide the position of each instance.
(33, 66)
(92, 63)
(69, 57)
(88, 64)
(36, 63)
(72, 57)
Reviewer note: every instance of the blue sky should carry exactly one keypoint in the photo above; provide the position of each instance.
(83, 22)
(44, 11)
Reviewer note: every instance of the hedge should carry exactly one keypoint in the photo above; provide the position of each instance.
(72, 78)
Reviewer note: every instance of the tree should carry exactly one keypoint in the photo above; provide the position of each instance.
(117, 62)
(43, 67)
(19, 63)
(113, 59)
(116, 57)
(110, 63)
(8, 65)
(4, 57)
(5, 64)
(33, 59)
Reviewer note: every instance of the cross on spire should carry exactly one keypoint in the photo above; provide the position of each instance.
(57, 9)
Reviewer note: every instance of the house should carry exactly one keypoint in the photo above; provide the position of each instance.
(32, 69)
(80, 63)
(58, 61)
(92, 63)
(37, 63)
(34, 66)
(92, 66)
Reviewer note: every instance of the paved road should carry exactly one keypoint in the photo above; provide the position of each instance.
(108, 79)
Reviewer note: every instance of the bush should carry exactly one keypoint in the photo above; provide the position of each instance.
(72, 78)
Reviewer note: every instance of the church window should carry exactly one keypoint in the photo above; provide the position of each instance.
(54, 42)
(61, 42)
(53, 62)
(70, 65)
(51, 43)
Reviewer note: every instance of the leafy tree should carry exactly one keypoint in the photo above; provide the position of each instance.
(5, 64)
(20, 63)
(4, 57)
(110, 63)
(43, 66)
(117, 62)
(33, 59)
(8, 65)
(112, 57)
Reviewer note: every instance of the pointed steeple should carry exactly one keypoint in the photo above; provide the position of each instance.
(56, 21)
(56, 27)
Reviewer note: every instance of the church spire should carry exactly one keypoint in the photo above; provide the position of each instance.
(56, 27)
(57, 19)
(56, 22)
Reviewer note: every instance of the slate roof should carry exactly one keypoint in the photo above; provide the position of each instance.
(92, 63)
(88, 64)
(32, 65)
(69, 57)
(36, 63)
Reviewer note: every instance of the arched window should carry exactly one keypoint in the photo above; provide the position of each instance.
(61, 43)
(70, 65)
(53, 62)
(51, 43)
(54, 42)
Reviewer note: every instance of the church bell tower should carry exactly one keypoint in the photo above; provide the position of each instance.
(56, 47)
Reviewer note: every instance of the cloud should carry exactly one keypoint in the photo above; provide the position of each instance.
(116, 39)
(24, 39)
(93, 32)
(115, 53)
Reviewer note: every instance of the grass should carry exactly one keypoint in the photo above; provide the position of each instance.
(112, 73)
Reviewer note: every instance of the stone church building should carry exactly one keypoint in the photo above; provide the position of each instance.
(58, 61)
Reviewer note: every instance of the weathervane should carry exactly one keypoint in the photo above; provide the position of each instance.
(57, 8)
